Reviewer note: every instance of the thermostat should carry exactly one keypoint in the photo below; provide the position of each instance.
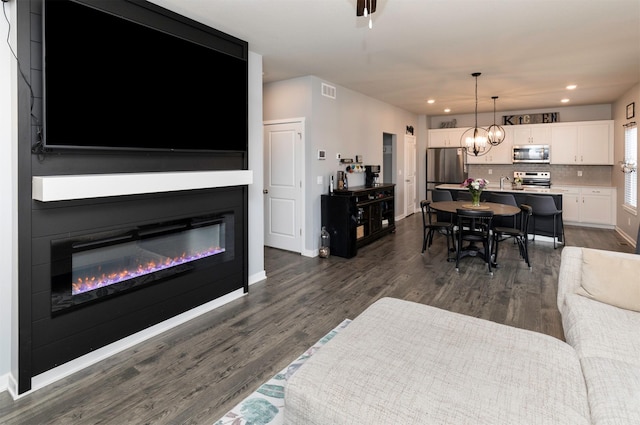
(322, 154)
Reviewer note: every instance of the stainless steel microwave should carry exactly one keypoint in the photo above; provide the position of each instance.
(532, 154)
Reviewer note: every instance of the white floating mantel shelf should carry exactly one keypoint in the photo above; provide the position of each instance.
(86, 186)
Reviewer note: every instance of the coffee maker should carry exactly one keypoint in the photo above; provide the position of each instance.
(372, 172)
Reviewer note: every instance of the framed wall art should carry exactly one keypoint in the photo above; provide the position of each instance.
(631, 110)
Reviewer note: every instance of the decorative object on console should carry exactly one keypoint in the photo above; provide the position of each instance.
(475, 186)
(474, 140)
(496, 132)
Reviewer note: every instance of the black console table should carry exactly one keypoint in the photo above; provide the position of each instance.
(358, 216)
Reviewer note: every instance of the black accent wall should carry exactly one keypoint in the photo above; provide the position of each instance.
(45, 341)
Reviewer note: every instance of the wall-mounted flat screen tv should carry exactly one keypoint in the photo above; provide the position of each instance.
(112, 82)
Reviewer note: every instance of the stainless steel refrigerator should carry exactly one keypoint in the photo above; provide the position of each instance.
(445, 166)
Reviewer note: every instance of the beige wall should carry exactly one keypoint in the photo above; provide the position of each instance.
(352, 124)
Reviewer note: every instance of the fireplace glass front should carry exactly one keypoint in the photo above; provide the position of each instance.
(91, 267)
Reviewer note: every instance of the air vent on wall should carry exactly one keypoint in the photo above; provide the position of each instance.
(328, 91)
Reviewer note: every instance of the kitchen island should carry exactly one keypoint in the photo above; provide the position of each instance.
(542, 226)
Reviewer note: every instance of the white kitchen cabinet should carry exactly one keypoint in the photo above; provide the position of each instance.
(534, 134)
(589, 205)
(582, 143)
(445, 137)
(571, 204)
(501, 154)
(598, 206)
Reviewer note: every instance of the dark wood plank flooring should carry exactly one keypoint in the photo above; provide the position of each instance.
(195, 373)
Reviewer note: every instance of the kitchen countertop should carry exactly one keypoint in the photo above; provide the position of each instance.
(507, 189)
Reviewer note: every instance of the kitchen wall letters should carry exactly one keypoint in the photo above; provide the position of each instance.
(544, 118)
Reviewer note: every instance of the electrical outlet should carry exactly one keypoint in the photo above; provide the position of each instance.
(338, 156)
(579, 173)
(490, 171)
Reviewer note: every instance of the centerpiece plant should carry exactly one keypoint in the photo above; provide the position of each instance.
(475, 187)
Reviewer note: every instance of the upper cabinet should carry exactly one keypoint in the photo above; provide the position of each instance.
(582, 143)
(445, 137)
(534, 134)
(501, 154)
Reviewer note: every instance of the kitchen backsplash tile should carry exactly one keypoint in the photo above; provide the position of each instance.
(592, 175)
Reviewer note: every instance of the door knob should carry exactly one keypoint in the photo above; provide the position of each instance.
(265, 191)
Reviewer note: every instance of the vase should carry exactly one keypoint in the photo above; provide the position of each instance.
(475, 198)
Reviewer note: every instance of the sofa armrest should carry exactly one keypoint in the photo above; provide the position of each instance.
(570, 273)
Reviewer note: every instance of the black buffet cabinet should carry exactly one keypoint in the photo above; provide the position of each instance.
(358, 216)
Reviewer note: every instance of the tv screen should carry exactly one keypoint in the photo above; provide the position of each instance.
(112, 83)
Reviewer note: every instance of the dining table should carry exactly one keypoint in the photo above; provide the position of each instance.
(452, 207)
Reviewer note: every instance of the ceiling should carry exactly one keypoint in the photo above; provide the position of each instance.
(527, 51)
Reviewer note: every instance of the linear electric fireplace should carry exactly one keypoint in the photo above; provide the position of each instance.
(90, 268)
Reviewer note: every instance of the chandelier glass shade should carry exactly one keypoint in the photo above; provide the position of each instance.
(495, 132)
(475, 141)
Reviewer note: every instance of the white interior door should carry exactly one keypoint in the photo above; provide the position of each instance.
(283, 185)
(410, 174)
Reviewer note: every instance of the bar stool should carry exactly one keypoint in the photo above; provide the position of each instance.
(545, 206)
(442, 196)
(507, 199)
(464, 195)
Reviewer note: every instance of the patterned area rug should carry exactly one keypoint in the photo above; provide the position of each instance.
(266, 404)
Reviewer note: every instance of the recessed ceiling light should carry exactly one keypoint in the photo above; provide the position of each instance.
(571, 87)
(447, 110)
(565, 100)
(431, 101)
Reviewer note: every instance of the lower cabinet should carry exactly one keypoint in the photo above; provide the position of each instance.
(358, 216)
(589, 205)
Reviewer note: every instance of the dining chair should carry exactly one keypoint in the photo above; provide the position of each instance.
(545, 206)
(507, 199)
(474, 226)
(519, 233)
(431, 227)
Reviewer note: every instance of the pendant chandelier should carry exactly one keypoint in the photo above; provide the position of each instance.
(475, 140)
(496, 132)
(366, 8)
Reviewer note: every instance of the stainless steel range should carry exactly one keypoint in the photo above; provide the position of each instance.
(534, 179)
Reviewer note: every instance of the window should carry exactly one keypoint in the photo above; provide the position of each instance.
(631, 158)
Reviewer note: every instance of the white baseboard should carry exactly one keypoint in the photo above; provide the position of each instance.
(257, 277)
(62, 371)
(4, 383)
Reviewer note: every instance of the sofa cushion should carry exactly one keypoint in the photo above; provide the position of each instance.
(611, 277)
(614, 391)
(597, 329)
(406, 363)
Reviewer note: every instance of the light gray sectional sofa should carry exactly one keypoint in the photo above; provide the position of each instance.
(401, 362)
(599, 299)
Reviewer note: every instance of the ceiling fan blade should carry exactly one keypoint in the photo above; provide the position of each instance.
(360, 4)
